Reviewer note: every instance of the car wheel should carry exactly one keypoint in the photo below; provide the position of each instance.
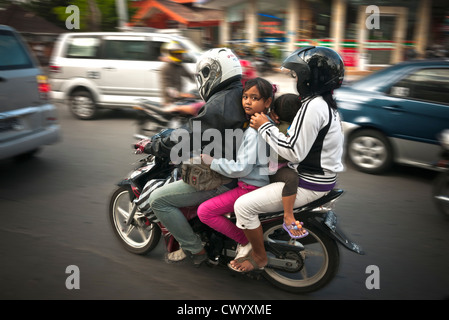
(82, 105)
(370, 151)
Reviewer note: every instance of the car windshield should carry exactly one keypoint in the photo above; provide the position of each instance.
(12, 54)
(374, 82)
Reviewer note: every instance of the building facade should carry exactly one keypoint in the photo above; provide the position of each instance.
(367, 33)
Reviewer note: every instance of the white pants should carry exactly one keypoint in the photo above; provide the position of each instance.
(267, 199)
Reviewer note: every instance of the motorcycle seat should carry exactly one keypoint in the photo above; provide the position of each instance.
(332, 195)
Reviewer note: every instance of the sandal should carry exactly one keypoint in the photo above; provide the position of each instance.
(256, 267)
(295, 226)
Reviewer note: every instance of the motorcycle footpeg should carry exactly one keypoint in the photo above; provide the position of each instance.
(285, 264)
(286, 255)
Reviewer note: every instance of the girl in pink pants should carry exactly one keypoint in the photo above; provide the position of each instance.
(250, 167)
(213, 210)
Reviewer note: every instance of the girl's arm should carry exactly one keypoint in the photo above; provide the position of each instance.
(245, 160)
(302, 133)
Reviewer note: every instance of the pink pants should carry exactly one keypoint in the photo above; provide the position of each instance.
(211, 212)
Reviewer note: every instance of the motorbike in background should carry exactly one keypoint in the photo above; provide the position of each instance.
(152, 117)
(248, 71)
(262, 61)
(440, 190)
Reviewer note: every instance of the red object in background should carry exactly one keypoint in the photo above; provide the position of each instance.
(349, 57)
(249, 72)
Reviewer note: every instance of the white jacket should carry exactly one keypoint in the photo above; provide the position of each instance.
(314, 145)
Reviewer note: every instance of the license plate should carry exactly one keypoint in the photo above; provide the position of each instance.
(331, 220)
(10, 124)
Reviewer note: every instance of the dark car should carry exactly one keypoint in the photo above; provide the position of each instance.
(395, 115)
(28, 120)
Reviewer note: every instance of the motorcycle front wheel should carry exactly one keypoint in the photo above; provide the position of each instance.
(317, 263)
(137, 237)
(441, 193)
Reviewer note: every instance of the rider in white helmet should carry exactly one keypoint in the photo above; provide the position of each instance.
(218, 78)
(215, 69)
(219, 83)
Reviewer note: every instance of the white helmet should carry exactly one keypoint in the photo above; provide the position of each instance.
(215, 67)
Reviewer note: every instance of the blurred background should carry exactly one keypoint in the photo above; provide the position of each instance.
(401, 30)
(54, 205)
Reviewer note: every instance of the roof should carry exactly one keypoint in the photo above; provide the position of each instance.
(184, 14)
(26, 21)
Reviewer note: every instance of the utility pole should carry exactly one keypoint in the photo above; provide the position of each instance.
(94, 16)
(122, 13)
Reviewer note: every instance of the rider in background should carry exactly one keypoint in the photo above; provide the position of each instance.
(173, 72)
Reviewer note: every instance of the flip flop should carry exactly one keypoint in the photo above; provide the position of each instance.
(294, 226)
(251, 260)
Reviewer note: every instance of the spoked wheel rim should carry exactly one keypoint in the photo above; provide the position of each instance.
(314, 262)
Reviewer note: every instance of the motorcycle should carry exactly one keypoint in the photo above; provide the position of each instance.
(152, 116)
(440, 190)
(263, 65)
(262, 62)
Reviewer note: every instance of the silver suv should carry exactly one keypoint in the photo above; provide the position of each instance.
(89, 71)
(27, 119)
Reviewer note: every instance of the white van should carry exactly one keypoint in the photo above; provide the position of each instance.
(111, 69)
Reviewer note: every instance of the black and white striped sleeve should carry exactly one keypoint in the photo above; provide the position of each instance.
(301, 134)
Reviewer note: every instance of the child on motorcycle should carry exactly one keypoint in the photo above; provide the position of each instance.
(250, 167)
(315, 144)
(284, 111)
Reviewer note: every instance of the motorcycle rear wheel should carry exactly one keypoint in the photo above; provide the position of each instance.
(137, 238)
(319, 261)
(441, 193)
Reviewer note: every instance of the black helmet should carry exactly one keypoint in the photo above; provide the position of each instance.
(318, 69)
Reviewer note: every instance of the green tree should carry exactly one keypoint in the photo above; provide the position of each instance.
(95, 15)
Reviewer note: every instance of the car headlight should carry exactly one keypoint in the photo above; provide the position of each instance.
(444, 139)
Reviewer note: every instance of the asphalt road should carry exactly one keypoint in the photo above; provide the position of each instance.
(53, 211)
